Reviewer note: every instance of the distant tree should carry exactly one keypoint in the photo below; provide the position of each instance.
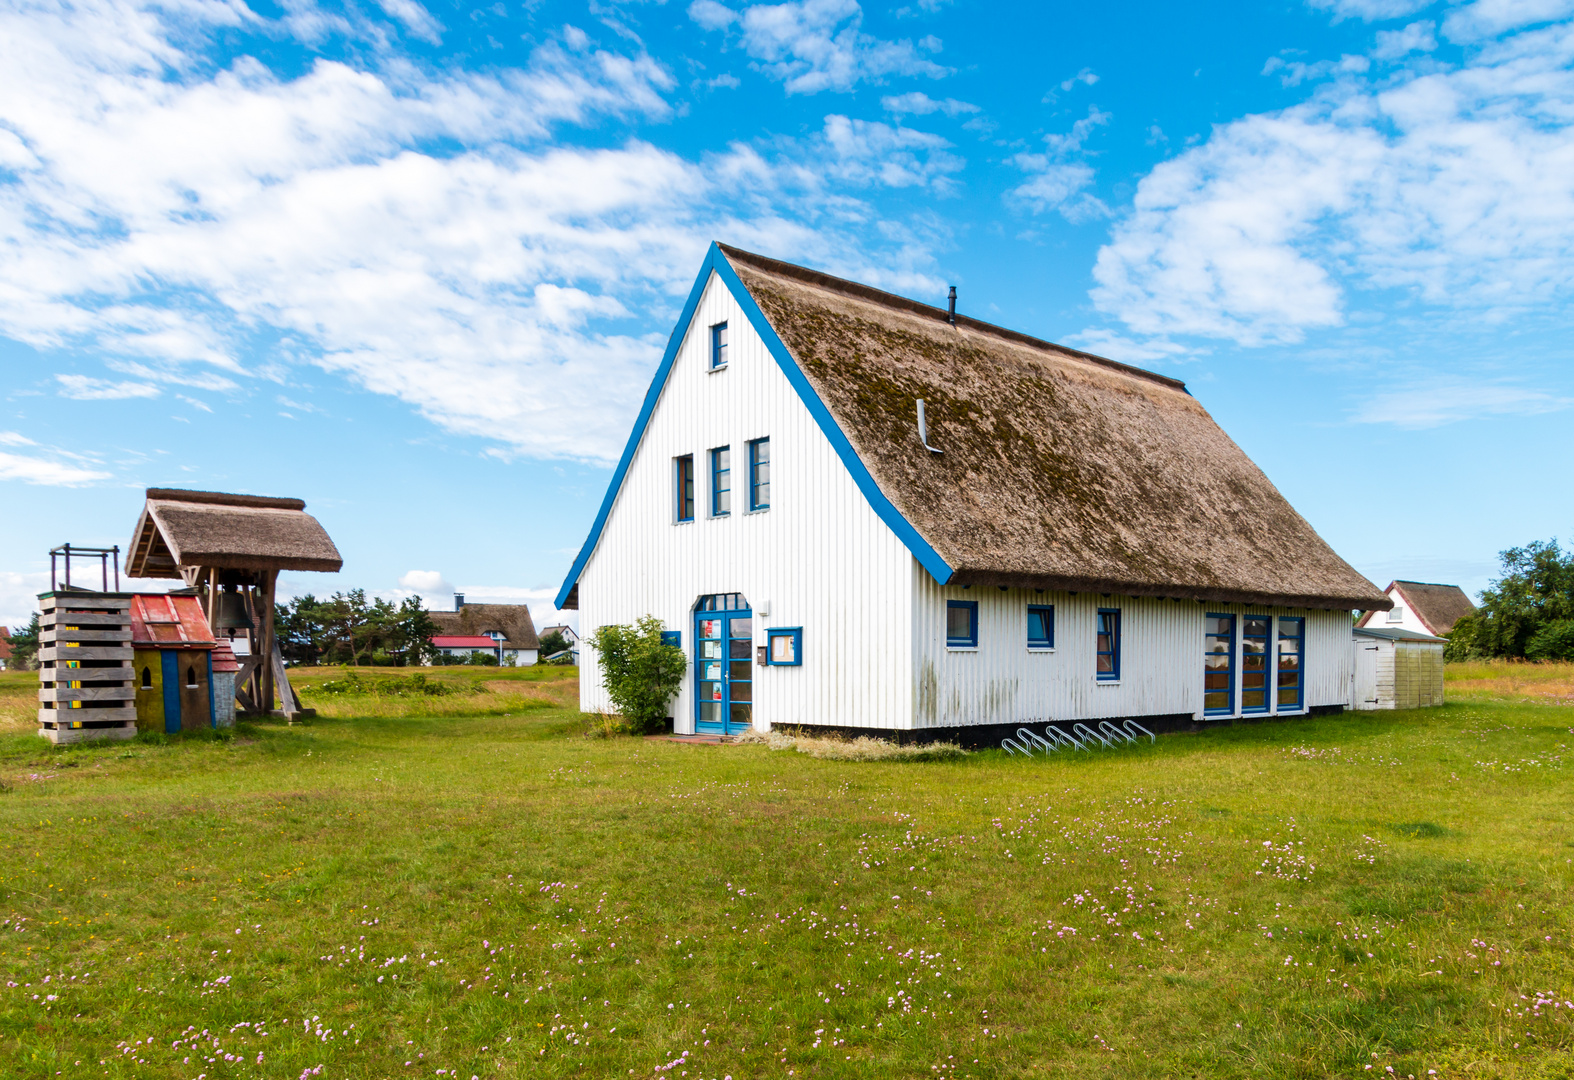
(299, 627)
(408, 635)
(24, 646)
(553, 643)
(1527, 613)
(639, 670)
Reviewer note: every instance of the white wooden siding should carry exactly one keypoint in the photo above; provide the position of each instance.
(1161, 664)
(820, 556)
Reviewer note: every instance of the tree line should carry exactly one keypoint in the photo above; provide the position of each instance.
(1526, 614)
(346, 628)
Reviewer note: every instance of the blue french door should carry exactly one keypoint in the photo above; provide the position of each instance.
(723, 665)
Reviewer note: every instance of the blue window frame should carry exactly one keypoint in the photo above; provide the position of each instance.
(1218, 665)
(760, 474)
(1292, 648)
(721, 481)
(673, 638)
(1256, 645)
(961, 624)
(1107, 646)
(685, 487)
(1040, 626)
(718, 346)
(784, 646)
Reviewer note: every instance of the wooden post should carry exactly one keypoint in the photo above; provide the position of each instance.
(213, 599)
(270, 580)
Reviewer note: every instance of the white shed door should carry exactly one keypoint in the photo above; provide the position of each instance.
(1364, 691)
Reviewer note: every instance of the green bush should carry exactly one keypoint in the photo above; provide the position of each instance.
(1554, 641)
(413, 686)
(640, 672)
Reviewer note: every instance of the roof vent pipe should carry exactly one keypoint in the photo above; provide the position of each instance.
(923, 429)
(951, 313)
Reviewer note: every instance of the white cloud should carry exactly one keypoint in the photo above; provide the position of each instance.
(47, 473)
(1297, 72)
(1417, 37)
(1085, 76)
(814, 45)
(87, 388)
(1370, 10)
(1450, 401)
(1059, 184)
(429, 584)
(920, 104)
(1488, 18)
(415, 18)
(1128, 350)
(19, 596)
(1452, 186)
(15, 438)
(171, 215)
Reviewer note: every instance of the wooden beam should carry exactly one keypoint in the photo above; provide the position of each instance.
(270, 580)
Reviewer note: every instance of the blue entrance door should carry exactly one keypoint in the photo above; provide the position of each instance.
(724, 665)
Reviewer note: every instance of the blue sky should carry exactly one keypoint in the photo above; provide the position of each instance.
(416, 264)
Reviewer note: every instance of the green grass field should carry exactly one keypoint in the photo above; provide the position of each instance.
(488, 893)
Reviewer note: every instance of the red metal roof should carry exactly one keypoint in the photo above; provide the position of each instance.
(463, 641)
(159, 621)
(224, 657)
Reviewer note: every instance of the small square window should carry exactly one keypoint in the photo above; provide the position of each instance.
(673, 638)
(784, 646)
(1040, 626)
(961, 624)
(718, 346)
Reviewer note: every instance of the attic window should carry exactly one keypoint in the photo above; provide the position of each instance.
(1396, 614)
(718, 346)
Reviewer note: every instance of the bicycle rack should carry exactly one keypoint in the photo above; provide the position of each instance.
(1027, 742)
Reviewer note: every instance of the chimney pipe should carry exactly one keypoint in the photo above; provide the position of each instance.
(951, 314)
(459, 601)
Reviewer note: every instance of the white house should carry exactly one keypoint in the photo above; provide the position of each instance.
(1420, 607)
(860, 512)
(505, 630)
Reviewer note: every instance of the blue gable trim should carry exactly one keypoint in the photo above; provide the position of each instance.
(717, 262)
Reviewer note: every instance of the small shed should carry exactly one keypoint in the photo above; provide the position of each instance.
(172, 656)
(1396, 669)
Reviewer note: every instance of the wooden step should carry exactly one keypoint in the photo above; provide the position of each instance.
(124, 714)
(107, 635)
(88, 693)
(84, 602)
(84, 618)
(62, 735)
(60, 654)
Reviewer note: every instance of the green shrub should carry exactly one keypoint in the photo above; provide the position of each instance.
(411, 686)
(1554, 641)
(640, 672)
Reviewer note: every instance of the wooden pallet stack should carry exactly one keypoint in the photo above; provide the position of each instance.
(86, 679)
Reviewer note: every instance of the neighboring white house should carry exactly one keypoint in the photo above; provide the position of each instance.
(1421, 607)
(568, 636)
(1396, 669)
(854, 512)
(505, 630)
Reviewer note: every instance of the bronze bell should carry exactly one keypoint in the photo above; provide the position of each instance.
(232, 611)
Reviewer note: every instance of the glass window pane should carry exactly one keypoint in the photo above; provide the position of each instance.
(1254, 699)
(742, 628)
(710, 628)
(1219, 680)
(710, 712)
(783, 649)
(710, 669)
(1106, 664)
(711, 691)
(1290, 698)
(741, 714)
(1216, 701)
(959, 622)
(1254, 680)
(1036, 630)
(739, 691)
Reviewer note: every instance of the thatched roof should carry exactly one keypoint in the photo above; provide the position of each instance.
(512, 620)
(233, 532)
(1438, 607)
(1058, 469)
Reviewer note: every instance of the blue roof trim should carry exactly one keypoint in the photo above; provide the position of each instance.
(927, 556)
(717, 262)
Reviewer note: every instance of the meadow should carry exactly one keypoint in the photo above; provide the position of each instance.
(462, 884)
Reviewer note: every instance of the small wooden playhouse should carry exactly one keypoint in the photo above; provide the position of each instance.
(172, 658)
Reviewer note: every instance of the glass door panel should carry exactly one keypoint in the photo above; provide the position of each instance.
(1254, 663)
(724, 665)
(1218, 666)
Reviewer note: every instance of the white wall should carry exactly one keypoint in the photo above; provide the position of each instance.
(820, 556)
(1161, 658)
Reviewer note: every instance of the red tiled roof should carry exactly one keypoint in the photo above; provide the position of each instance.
(224, 657)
